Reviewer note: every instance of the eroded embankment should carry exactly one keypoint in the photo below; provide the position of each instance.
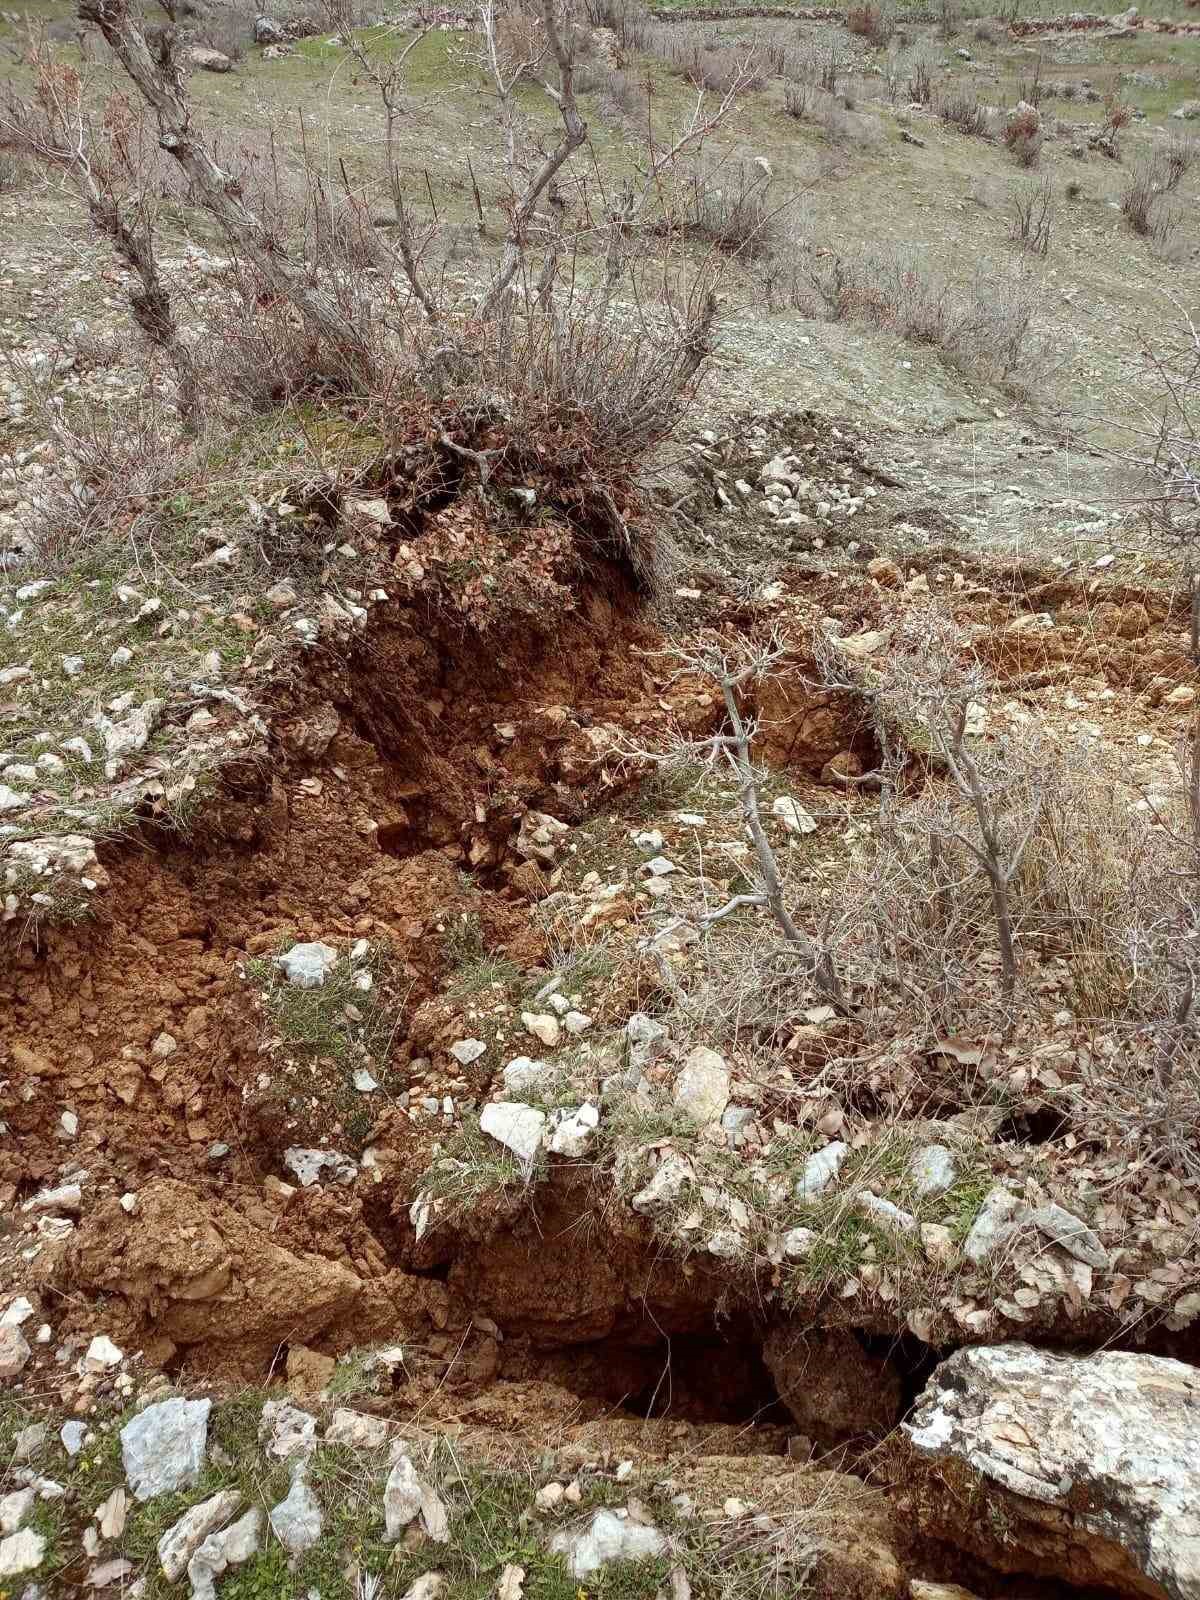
(406, 782)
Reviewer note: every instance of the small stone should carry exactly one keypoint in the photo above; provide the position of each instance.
(544, 1026)
(220, 1551)
(467, 1050)
(164, 1446)
(933, 1170)
(517, 1127)
(21, 1552)
(358, 1431)
(183, 1538)
(1074, 1236)
(792, 814)
(820, 1169)
(285, 1432)
(72, 1435)
(364, 1082)
(108, 1572)
(726, 1244)
(571, 1134)
(646, 1036)
(605, 1538)
(306, 966)
(549, 1496)
(69, 1123)
(67, 1197)
(672, 1175)
(110, 1514)
(577, 1022)
(798, 1242)
(523, 1075)
(401, 1498)
(17, 1312)
(702, 1088)
(102, 1354)
(15, 1507)
(14, 1352)
(297, 1521)
(308, 1165)
(992, 1226)
(660, 867)
(1182, 695)
(886, 1212)
(29, 1441)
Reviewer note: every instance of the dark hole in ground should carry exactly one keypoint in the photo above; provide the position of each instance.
(697, 1378)
(1038, 1126)
(909, 1358)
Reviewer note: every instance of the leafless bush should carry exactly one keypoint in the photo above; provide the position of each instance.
(1032, 91)
(985, 31)
(1166, 452)
(920, 84)
(872, 22)
(1033, 216)
(733, 670)
(702, 60)
(1023, 136)
(16, 173)
(961, 109)
(114, 464)
(797, 100)
(726, 204)
(986, 328)
(949, 19)
(832, 70)
(1151, 178)
(629, 20)
(1177, 160)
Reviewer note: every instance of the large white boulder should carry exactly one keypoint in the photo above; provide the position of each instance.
(1085, 1467)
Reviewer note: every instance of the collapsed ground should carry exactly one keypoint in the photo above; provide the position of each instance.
(731, 1231)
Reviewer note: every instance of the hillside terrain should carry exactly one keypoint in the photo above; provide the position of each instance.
(599, 802)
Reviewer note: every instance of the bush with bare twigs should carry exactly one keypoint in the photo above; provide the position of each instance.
(920, 83)
(1033, 217)
(961, 109)
(871, 22)
(1150, 179)
(987, 328)
(1024, 137)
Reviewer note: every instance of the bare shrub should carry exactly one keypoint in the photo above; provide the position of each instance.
(116, 462)
(986, 328)
(872, 22)
(949, 19)
(16, 173)
(726, 204)
(1032, 91)
(797, 100)
(920, 84)
(1166, 453)
(961, 109)
(1033, 217)
(1023, 136)
(1177, 160)
(986, 31)
(1107, 138)
(1151, 178)
(699, 57)
(733, 670)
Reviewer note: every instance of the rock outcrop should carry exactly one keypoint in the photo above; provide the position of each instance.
(195, 1272)
(1081, 1468)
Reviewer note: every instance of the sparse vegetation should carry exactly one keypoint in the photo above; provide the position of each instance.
(1033, 217)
